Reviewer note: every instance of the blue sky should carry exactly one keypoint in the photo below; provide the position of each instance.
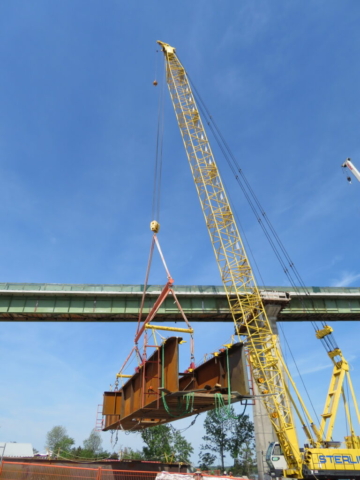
(77, 146)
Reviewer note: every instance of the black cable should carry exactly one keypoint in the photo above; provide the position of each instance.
(255, 206)
(190, 425)
(257, 209)
(239, 417)
(248, 246)
(155, 213)
(347, 399)
(253, 195)
(302, 381)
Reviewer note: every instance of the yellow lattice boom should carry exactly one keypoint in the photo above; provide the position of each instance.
(242, 292)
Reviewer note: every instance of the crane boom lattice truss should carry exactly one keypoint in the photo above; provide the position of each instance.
(247, 309)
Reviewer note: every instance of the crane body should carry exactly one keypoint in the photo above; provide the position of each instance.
(246, 306)
(336, 391)
(331, 459)
(334, 463)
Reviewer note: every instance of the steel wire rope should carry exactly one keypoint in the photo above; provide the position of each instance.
(246, 194)
(330, 342)
(253, 195)
(238, 221)
(155, 212)
(301, 378)
(266, 234)
(253, 207)
(156, 66)
(346, 423)
(225, 149)
(347, 398)
(235, 170)
(181, 430)
(270, 240)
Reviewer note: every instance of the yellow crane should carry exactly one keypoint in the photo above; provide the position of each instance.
(340, 374)
(245, 302)
(321, 438)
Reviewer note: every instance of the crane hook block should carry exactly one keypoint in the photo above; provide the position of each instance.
(154, 226)
(325, 331)
(155, 83)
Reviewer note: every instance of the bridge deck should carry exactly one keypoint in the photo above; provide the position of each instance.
(66, 302)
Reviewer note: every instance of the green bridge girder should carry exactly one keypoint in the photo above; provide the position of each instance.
(203, 303)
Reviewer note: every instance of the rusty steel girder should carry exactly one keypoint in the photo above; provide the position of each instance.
(157, 393)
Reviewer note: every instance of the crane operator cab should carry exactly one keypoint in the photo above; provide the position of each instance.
(275, 460)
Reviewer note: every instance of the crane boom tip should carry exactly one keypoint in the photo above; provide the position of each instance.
(166, 47)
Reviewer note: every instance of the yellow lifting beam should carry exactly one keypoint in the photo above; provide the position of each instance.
(170, 329)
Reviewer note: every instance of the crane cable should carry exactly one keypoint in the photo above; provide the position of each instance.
(155, 213)
(267, 227)
(293, 275)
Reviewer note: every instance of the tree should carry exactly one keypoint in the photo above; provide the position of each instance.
(246, 461)
(157, 440)
(80, 453)
(225, 432)
(93, 443)
(181, 448)
(92, 448)
(206, 460)
(130, 454)
(57, 440)
(243, 433)
(165, 442)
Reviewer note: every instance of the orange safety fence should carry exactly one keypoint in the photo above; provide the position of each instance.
(33, 471)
